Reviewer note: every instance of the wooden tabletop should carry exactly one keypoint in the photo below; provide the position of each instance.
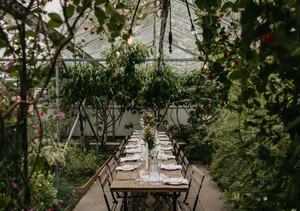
(132, 186)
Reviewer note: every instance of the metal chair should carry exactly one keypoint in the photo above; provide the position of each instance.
(195, 183)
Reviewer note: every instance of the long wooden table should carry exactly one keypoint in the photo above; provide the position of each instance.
(128, 183)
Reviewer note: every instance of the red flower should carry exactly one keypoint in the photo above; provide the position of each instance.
(230, 53)
(39, 134)
(208, 77)
(42, 113)
(209, 109)
(69, 4)
(50, 0)
(39, 129)
(58, 206)
(259, 48)
(221, 48)
(198, 110)
(38, 119)
(187, 93)
(254, 96)
(219, 19)
(203, 112)
(126, 14)
(227, 37)
(41, 182)
(79, 168)
(8, 93)
(216, 5)
(34, 197)
(1, 95)
(52, 209)
(269, 38)
(239, 99)
(236, 61)
(45, 207)
(217, 83)
(117, 73)
(223, 32)
(225, 55)
(85, 28)
(17, 98)
(209, 72)
(222, 104)
(119, 13)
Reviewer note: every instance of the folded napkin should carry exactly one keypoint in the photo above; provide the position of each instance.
(131, 146)
(163, 132)
(134, 136)
(133, 151)
(166, 157)
(133, 139)
(135, 133)
(125, 168)
(133, 158)
(171, 167)
(167, 148)
(165, 142)
(175, 181)
(163, 135)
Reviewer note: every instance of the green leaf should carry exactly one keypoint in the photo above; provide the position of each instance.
(70, 11)
(30, 33)
(144, 16)
(200, 4)
(53, 36)
(120, 19)
(55, 17)
(101, 15)
(2, 43)
(120, 5)
(293, 123)
(226, 6)
(98, 2)
(76, 2)
(110, 9)
(53, 24)
(235, 75)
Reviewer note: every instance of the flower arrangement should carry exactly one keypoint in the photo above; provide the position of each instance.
(147, 118)
(148, 136)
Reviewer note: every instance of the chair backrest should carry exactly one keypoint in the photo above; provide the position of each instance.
(181, 154)
(185, 166)
(176, 151)
(179, 160)
(117, 156)
(196, 177)
(104, 178)
(174, 143)
(123, 142)
(178, 146)
(121, 147)
(112, 165)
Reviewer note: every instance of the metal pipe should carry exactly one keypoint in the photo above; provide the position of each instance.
(104, 60)
(57, 123)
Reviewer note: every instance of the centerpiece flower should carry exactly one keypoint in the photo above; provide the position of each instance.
(148, 136)
(147, 118)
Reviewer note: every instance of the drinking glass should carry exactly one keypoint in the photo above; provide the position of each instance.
(140, 169)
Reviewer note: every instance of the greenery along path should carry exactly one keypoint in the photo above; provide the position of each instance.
(209, 198)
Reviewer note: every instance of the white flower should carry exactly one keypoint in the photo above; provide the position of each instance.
(265, 198)
(40, 184)
(15, 84)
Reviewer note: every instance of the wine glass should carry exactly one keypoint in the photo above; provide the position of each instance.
(140, 169)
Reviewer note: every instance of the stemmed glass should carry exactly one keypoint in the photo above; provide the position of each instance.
(140, 169)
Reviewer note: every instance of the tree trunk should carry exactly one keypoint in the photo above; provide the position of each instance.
(81, 129)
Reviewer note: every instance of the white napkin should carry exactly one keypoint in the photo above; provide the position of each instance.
(171, 167)
(165, 142)
(125, 168)
(133, 158)
(167, 148)
(133, 139)
(131, 146)
(134, 136)
(133, 151)
(176, 181)
(163, 135)
(135, 133)
(166, 157)
(164, 138)
(163, 132)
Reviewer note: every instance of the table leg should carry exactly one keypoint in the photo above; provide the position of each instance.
(175, 196)
(125, 201)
